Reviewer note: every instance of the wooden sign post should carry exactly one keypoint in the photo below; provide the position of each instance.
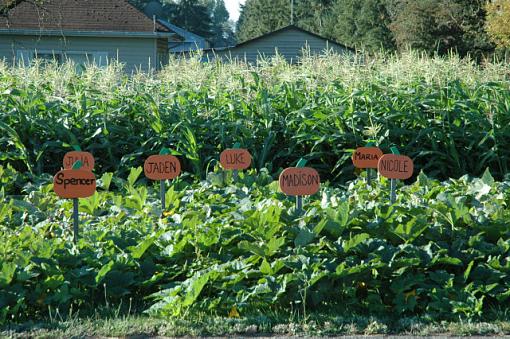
(235, 159)
(395, 166)
(367, 157)
(162, 167)
(75, 183)
(299, 181)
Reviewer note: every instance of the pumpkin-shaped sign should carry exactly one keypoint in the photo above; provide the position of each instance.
(235, 159)
(162, 167)
(86, 158)
(74, 183)
(366, 157)
(299, 181)
(393, 166)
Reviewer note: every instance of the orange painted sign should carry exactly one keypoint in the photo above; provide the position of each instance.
(235, 159)
(87, 160)
(366, 157)
(394, 166)
(162, 167)
(70, 184)
(300, 181)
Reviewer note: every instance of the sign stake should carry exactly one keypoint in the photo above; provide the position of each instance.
(367, 157)
(299, 203)
(235, 159)
(76, 204)
(162, 193)
(74, 182)
(76, 220)
(369, 170)
(162, 167)
(393, 182)
(162, 186)
(235, 173)
(393, 190)
(299, 198)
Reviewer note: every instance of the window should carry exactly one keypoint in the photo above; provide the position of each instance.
(48, 56)
(80, 58)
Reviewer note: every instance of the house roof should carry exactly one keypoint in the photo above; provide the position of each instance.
(186, 35)
(293, 27)
(81, 16)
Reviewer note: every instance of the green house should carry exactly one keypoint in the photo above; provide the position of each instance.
(289, 42)
(84, 31)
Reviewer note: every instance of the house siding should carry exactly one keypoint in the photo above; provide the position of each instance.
(162, 50)
(135, 53)
(288, 43)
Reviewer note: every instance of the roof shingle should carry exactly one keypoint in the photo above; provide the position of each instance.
(80, 15)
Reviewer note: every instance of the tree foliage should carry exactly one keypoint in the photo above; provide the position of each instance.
(360, 23)
(259, 17)
(498, 19)
(433, 26)
(222, 26)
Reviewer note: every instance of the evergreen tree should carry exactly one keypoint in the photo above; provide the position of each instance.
(441, 26)
(259, 17)
(498, 18)
(475, 40)
(222, 27)
(429, 25)
(193, 16)
(312, 14)
(360, 23)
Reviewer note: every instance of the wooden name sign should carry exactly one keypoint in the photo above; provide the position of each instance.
(162, 167)
(235, 159)
(300, 181)
(87, 160)
(71, 184)
(394, 166)
(366, 157)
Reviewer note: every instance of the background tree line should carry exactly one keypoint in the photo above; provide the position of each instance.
(473, 27)
(207, 18)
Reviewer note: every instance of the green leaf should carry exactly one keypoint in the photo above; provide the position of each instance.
(320, 226)
(274, 245)
(301, 163)
(304, 237)
(104, 271)
(134, 173)
(449, 261)
(265, 268)
(139, 250)
(195, 288)
(468, 270)
(248, 246)
(7, 273)
(77, 165)
(355, 241)
(487, 178)
(106, 180)
(164, 151)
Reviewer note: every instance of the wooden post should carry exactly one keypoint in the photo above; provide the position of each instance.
(393, 192)
(76, 220)
(162, 194)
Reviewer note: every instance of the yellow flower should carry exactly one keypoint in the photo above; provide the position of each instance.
(233, 312)
(410, 294)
